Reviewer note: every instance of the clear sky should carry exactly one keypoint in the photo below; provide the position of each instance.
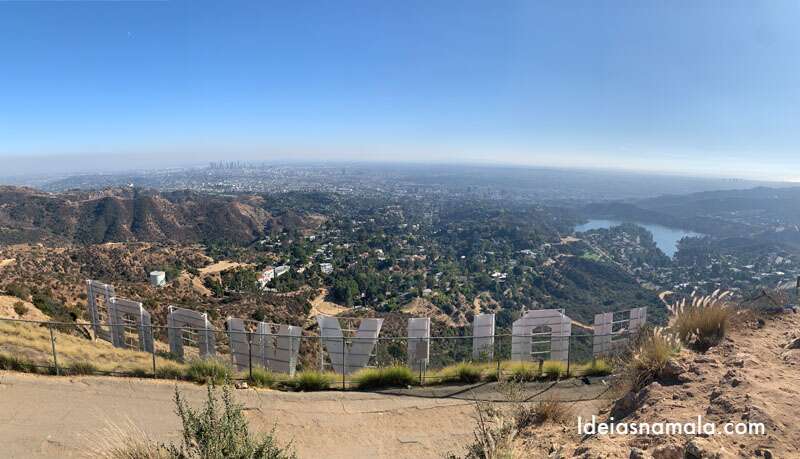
(688, 86)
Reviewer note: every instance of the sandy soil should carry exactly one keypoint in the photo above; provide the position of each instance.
(57, 417)
(7, 262)
(320, 306)
(750, 377)
(220, 266)
(7, 309)
(44, 416)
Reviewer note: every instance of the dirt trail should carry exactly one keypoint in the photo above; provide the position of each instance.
(44, 416)
(56, 417)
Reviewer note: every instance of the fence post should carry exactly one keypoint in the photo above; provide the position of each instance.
(321, 354)
(153, 349)
(496, 357)
(53, 345)
(250, 354)
(569, 348)
(344, 362)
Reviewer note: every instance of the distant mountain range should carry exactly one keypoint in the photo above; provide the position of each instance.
(762, 214)
(129, 214)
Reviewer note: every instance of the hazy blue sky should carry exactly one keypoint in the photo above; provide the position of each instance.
(702, 87)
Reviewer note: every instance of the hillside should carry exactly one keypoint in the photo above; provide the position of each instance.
(131, 214)
(770, 214)
(750, 377)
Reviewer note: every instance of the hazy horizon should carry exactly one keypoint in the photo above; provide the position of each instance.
(685, 89)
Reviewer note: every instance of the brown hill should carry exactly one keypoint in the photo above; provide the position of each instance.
(125, 215)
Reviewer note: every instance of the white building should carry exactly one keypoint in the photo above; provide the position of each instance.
(281, 270)
(326, 268)
(158, 278)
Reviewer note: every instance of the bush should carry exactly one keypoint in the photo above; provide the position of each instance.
(554, 369)
(647, 362)
(140, 372)
(82, 367)
(307, 381)
(494, 436)
(18, 290)
(20, 308)
(261, 377)
(544, 411)
(598, 367)
(524, 371)
(701, 323)
(170, 371)
(215, 433)
(209, 371)
(464, 372)
(393, 376)
(15, 363)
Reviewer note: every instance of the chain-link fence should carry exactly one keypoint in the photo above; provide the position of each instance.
(169, 352)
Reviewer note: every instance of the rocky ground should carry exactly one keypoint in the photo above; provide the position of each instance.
(752, 376)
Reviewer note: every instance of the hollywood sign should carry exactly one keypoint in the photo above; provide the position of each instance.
(537, 335)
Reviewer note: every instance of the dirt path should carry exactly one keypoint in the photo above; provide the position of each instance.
(60, 416)
(56, 417)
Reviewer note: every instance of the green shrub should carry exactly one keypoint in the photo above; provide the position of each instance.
(598, 367)
(14, 363)
(554, 369)
(261, 377)
(307, 381)
(393, 376)
(140, 372)
(524, 371)
(464, 372)
(209, 370)
(170, 371)
(18, 290)
(20, 308)
(82, 367)
(215, 432)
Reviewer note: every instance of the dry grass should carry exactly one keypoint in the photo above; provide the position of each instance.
(541, 412)
(495, 434)
(128, 442)
(261, 377)
(522, 371)
(309, 381)
(393, 376)
(598, 367)
(648, 359)
(209, 371)
(464, 372)
(702, 322)
(31, 342)
(554, 369)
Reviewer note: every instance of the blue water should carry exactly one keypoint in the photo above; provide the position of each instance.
(665, 238)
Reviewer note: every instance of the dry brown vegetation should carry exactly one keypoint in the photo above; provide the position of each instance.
(32, 343)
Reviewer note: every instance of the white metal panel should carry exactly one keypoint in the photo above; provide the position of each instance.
(93, 290)
(419, 342)
(350, 357)
(483, 337)
(560, 331)
(180, 318)
(118, 309)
